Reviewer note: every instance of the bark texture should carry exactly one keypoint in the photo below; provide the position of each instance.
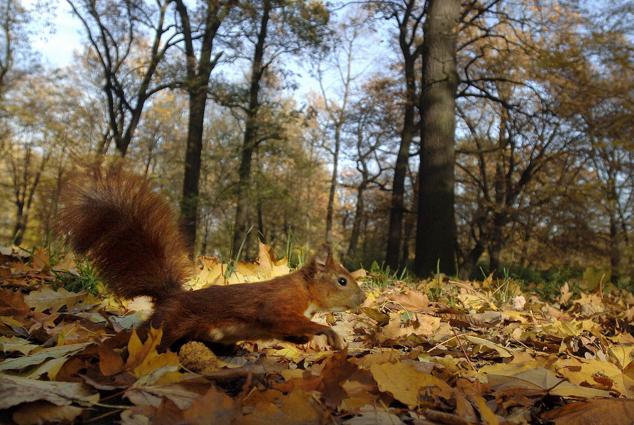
(436, 232)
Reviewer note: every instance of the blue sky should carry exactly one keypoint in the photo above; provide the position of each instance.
(58, 38)
(59, 35)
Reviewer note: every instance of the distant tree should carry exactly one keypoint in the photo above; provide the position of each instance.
(116, 33)
(274, 29)
(409, 17)
(199, 28)
(592, 79)
(38, 110)
(13, 46)
(12, 15)
(332, 108)
(372, 133)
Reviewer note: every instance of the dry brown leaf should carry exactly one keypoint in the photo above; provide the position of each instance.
(411, 300)
(12, 303)
(295, 409)
(595, 412)
(41, 412)
(151, 395)
(110, 362)
(40, 260)
(15, 390)
(213, 408)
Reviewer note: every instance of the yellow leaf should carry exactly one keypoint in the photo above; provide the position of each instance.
(138, 351)
(15, 343)
(595, 373)
(502, 352)
(405, 382)
(487, 415)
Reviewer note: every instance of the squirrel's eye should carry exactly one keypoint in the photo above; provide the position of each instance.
(342, 281)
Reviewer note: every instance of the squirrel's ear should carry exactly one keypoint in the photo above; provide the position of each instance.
(320, 261)
(323, 257)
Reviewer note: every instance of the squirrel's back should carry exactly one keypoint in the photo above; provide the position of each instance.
(128, 231)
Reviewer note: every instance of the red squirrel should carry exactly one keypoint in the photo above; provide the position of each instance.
(132, 237)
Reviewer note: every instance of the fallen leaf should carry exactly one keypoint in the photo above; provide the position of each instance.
(502, 352)
(405, 382)
(18, 344)
(12, 303)
(294, 409)
(596, 412)
(15, 390)
(180, 394)
(371, 415)
(213, 408)
(41, 412)
(110, 362)
(50, 368)
(49, 299)
(40, 356)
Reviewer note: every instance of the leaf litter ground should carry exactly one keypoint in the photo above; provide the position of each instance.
(440, 351)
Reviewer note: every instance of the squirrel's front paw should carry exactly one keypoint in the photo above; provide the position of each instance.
(334, 340)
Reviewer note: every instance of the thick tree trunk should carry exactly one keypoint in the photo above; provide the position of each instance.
(436, 233)
(240, 232)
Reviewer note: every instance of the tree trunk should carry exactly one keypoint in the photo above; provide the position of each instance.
(436, 233)
(495, 244)
(240, 232)
(615, 252)
(356, 223)
(189, 202)
(468, 268)
(18, 229)
(198, 72)
(330, 210)
(397, 203)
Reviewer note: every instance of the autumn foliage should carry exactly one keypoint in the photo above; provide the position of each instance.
(435, 351)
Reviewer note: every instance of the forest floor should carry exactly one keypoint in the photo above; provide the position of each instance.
(440, 351)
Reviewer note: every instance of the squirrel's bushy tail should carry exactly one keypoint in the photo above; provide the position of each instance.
(128, 231)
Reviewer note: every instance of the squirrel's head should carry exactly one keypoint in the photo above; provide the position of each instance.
(331, 286)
